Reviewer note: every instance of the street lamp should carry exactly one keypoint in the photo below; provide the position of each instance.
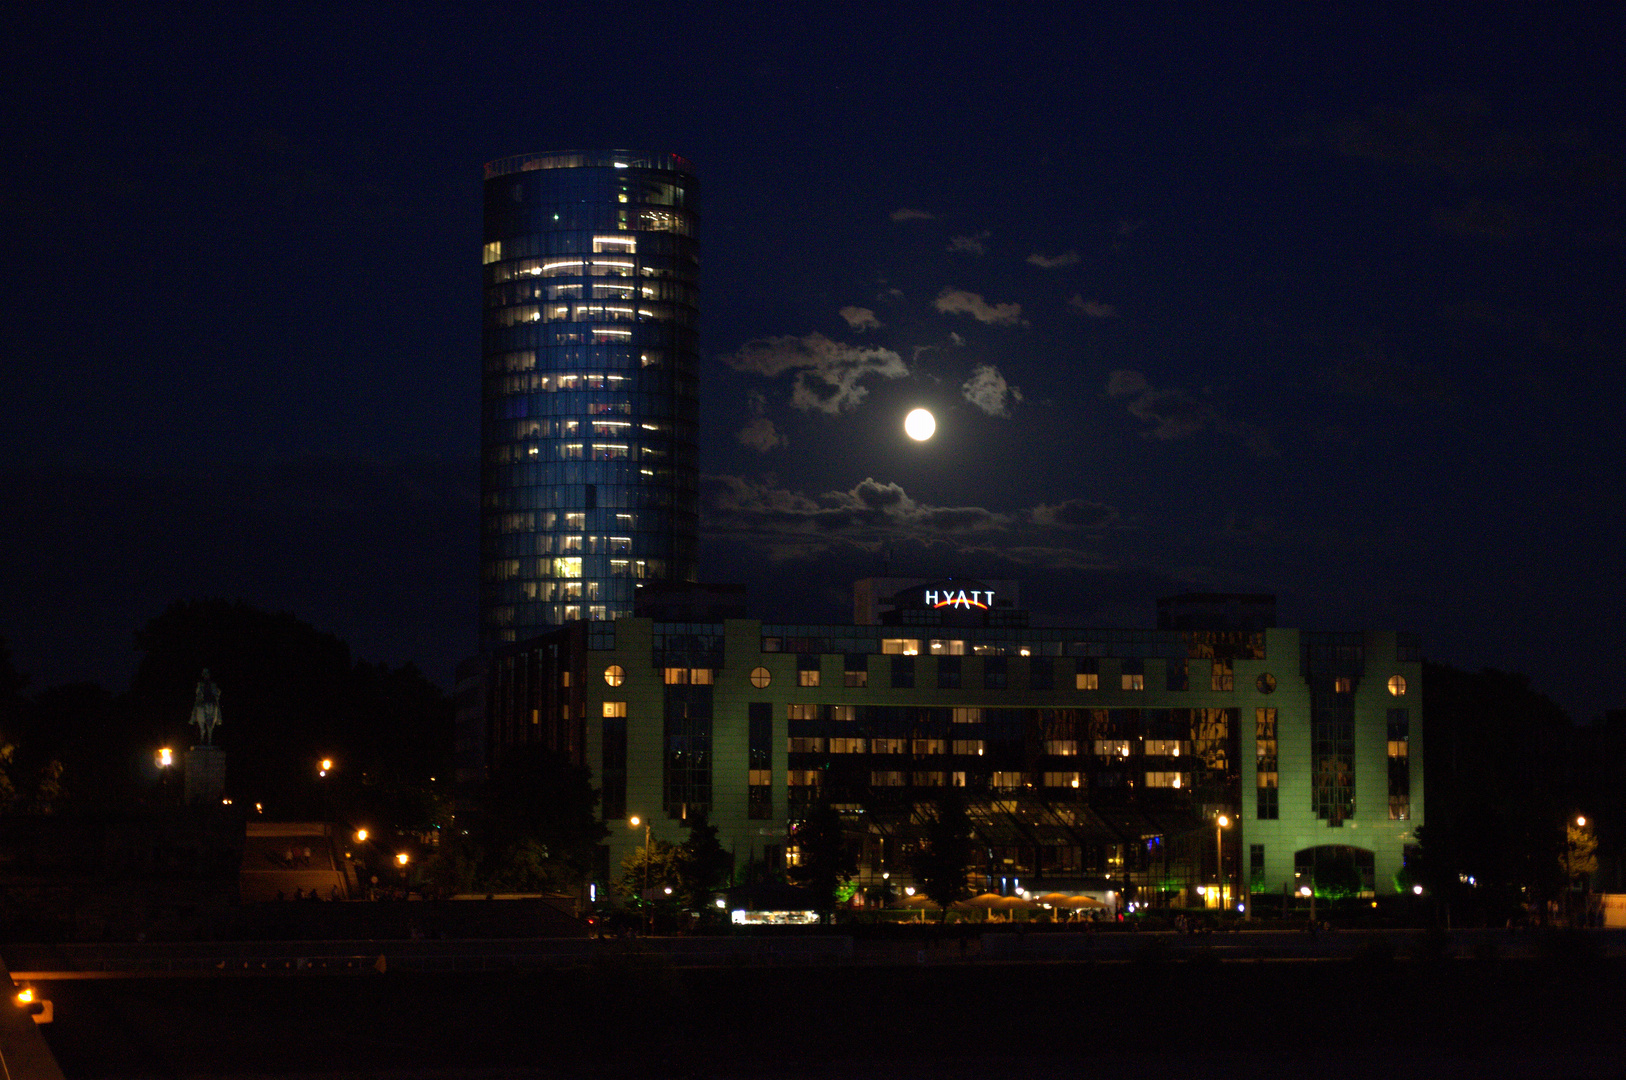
(649, 916)
(1220, 822)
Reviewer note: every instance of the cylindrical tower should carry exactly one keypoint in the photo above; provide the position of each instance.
(589, 472)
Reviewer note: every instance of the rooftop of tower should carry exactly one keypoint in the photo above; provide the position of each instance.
(579, 159)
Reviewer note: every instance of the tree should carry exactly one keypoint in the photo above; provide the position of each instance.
(822, 863)
(655, 868)
(531, 827)
(704, 865)
(939, 864)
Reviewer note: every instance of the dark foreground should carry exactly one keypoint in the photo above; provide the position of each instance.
(631, 1016)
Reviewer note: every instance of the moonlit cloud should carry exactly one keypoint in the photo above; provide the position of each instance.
(761, 435)
(970, 245)
(952, 301)
(988, 390)
(1080, 514)
(1052, 262)
(860, 318)
(908, 214)
(828, 373)
(1178, 414)
(1093, 308)
(871, 507)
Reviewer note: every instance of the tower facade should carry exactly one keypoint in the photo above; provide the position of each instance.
(589, 471)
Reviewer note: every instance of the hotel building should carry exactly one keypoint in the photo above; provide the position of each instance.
(1091, 760)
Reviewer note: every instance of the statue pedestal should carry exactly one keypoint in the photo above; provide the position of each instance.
(205, 775)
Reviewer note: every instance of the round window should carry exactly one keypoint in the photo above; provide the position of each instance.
(1397, 685)
(1266, 683)
(614, 675)
(760, 677)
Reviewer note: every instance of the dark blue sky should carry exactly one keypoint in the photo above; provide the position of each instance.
(1297, 298)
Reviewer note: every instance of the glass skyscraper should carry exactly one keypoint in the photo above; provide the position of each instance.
(589, 473)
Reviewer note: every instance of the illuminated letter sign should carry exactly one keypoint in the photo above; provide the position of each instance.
(949, 598)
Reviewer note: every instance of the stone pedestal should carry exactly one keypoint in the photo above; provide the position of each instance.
(205, 775)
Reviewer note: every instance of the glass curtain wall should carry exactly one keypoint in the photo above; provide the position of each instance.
(589, 472)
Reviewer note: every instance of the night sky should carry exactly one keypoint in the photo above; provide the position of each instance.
(1319, 301)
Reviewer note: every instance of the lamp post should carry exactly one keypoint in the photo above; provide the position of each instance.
(649, 916)
(1220, 822)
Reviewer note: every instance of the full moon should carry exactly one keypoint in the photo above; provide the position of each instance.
(919, 425)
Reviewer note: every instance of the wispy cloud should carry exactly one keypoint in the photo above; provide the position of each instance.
(860, 318)
(1052, 262)
(1178, 414)
(908, 214)
(988, 390)
(952, 301)
(1080, 514)
(974, 244)
(1095, 309)
(829, 374)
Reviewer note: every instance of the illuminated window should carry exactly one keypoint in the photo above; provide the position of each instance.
(967, 716)
(1168, 780)
(957, 779)
(760, 677)
(1087, 680)
(901, 646)
(615, 708)
(847, 746)
(568, 567)
(802, 777)
(492, 253)
(887, 746)
(759, 778)
(1061, 747)
(801, 712)
(1266, 683)
(1112, 747)
(1222, 678)
(564, 678)
(969, 746)
(929, 746)
(675, 676)
(701, 676)
(1063, 779)
(1397, 685)
(856, 671)
(1133, 682)
(1005, 781)
(614, 675)
(843, 713)
(807, 678)
(1343, 685)
(1164, 747)
(942, 647)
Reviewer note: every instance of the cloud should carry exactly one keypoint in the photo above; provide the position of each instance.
(1177, 414)
(1051, 262)
(828, 373)
(1078, 514)
(907, 214)
(761, 435)
(871, 507)
(952, 301)
(969, 245)
(860, 318)
(1095, 309)
(988, 390)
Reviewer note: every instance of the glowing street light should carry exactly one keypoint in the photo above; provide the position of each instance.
(649, 916)
(1221, 822)
(166, 757)
(361, 836)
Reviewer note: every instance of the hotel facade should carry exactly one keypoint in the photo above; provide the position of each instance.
(1212, 760)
